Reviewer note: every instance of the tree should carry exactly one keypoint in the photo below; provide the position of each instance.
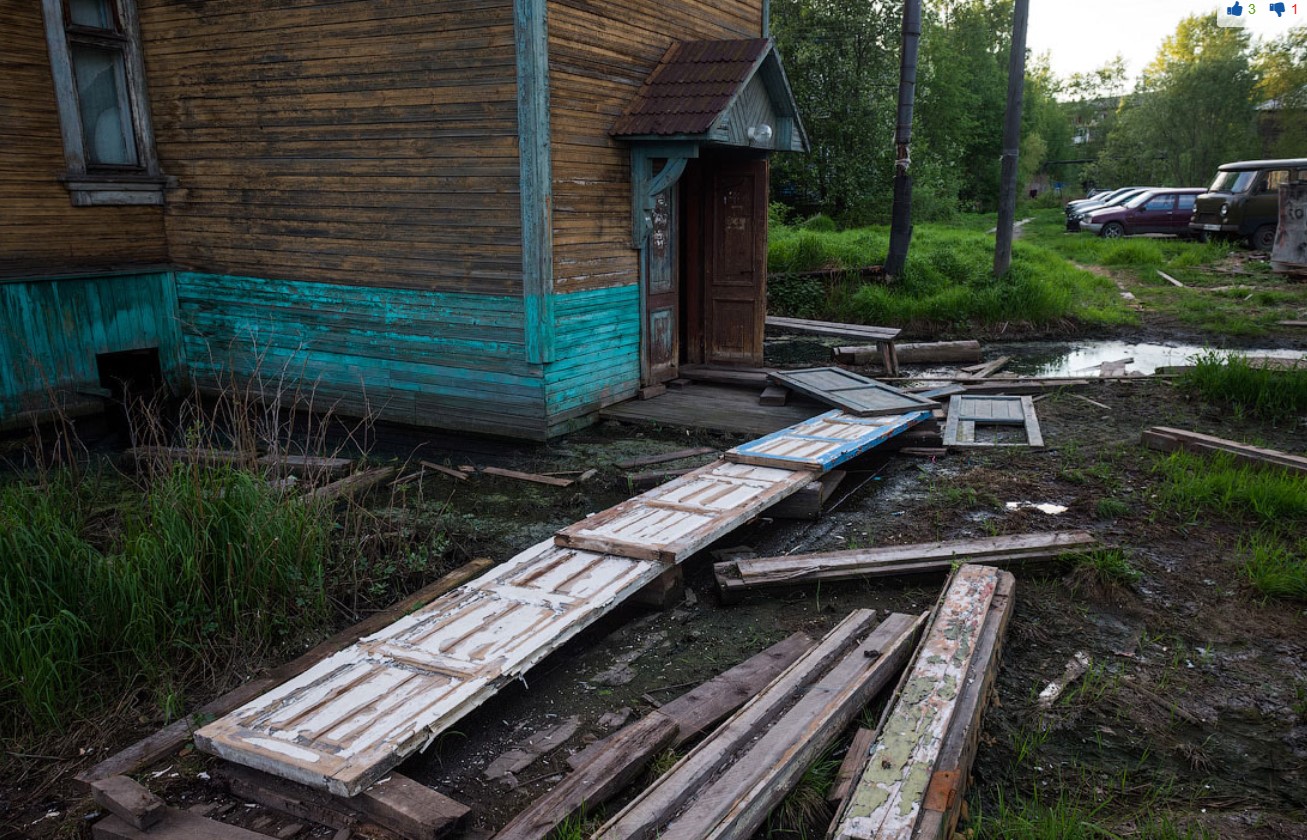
(1281, 64)
(1192, 110)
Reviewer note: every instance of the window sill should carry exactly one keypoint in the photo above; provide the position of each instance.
(108, 190)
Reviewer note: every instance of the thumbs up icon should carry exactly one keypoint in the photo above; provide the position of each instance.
(1235, 10)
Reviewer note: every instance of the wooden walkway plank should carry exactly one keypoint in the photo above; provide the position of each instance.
(943, 803)
(738, 801)
(168, 740)
(852, 392)
(895, 560)
(345, 722)
(1169, 440)
(887, 799)
(674, 520)
(832, 329)
(824, 442)
(647, 814)
(607, 766)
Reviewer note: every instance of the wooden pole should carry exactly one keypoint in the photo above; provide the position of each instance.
(1007, 189)
(900, 232)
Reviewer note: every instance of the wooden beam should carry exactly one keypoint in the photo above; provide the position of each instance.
(943, 803)
(607, 766)
(172, 825)
(352, 485)
(128, 800)
(168, 740)
(918, 353)
(859, 747)
(411, 809)
(990, 368)
(725, 787)
(664, 457)
(647, 813)
(532, 477)
(1168, 439)
(898, 774)
(297, 800)
(747, 377)
(443, 470)
(896, 560)
(774, 395)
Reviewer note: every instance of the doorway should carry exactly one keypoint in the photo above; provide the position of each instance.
(705, 267)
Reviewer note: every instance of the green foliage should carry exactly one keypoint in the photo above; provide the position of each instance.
(211, 558)
(805, 807)
(1192, 483)
(820, 223)
(1275, 567)
(1109, 567)
(1192, 110)
(1268, 393)
(1110, 508)
(1069, 818)
(948, 281)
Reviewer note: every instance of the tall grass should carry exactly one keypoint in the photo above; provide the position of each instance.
(1273, 501)
(948, 282)
(1229, 379)
(207, 558)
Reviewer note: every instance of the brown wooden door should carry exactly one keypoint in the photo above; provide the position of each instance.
(660, 341)
(735, 276)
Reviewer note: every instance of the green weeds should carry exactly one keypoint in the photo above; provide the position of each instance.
(1229, 379)
(1108, 567)
(805, 807)
(1276, 567)
(1069, 817)
(211, 559)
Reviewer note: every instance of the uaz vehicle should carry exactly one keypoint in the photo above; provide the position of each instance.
(1243, 200)
(1153, 211)
(1112, 199)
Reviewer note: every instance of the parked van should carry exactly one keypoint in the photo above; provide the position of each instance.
(1243, 200)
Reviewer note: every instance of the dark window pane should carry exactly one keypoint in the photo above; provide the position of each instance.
(102, 101)
(97, 14)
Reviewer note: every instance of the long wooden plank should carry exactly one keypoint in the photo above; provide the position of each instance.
(887, 799)
(646, 814)
(833, 329)
(1169, 439)
(836, 565)
(674, 520)
(607, 766)
(166, 741)
(345, 722)
(823, 442)
(943, 803)
(738, 801)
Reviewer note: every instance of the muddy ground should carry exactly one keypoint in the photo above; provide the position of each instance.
(1195, 705)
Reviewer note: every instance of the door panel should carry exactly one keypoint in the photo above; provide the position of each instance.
(735, 282)
(660, 341)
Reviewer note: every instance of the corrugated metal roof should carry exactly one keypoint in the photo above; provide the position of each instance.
(691, 86)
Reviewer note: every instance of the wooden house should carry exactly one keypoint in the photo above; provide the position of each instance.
(483, 215)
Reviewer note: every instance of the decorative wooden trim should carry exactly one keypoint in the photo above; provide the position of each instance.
(65, 89)
(531, 32)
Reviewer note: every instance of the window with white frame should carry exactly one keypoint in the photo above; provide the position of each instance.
(99, 80)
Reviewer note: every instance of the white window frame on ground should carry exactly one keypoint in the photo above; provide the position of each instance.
(134, 177)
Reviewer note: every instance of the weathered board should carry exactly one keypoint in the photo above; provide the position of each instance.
(1169, 440)
(854, 393)
(892, 560)
(343, 723)
(967, 413)
(823, 442)
(674, 520)
(887, 798)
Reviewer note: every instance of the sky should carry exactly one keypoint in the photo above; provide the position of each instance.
(1082, 35)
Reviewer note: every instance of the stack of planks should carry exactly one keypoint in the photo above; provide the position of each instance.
(738, 576)
(726, 786)
(913, 778)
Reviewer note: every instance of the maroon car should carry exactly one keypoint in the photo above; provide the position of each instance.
(1156, 211)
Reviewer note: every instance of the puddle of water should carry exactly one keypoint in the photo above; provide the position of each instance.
(1083, 359)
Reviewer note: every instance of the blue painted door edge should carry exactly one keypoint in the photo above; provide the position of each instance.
(531, 36)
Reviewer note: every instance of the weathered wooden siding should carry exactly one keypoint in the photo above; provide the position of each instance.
(359, 142)
(41, 233)
(445, 359)
(598, 349)
(51, 331)
(600, 54)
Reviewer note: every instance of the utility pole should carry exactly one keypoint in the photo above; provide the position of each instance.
(1007, 186)
(900, 230)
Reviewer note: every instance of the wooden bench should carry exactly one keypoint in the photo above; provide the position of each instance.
(884, 337)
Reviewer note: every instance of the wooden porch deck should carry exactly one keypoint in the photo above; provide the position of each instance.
(716, 408)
